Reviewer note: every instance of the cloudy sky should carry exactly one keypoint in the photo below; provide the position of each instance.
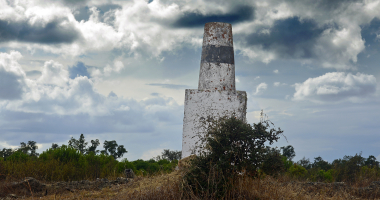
(118, 70)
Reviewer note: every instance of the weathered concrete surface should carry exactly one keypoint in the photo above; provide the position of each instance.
(202, 105)
(217, 76)
(217, 70)
(216, 96)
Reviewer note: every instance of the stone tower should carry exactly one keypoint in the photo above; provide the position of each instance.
(216, 95)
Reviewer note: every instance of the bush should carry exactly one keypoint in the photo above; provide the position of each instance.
(230, 147)
(273, 163)
(297, 171)
(18, 156)
(325, 176)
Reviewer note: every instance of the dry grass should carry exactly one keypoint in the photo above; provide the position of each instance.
(172, 186)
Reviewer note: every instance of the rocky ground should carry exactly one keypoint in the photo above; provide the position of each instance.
(32, 187)
(123, 188)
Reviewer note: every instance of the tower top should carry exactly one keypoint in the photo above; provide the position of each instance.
(217, 70)
(218, 34)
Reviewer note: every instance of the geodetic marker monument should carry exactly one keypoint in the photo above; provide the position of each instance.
(216, 95)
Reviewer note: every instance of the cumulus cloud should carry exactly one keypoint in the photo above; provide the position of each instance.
(55, 105)
(260, 88)
(56, 93)
(36, 25)
(262, 30)
(54, 73)
(116, 67)
(335, 86)
(331, 35)
(12, 77)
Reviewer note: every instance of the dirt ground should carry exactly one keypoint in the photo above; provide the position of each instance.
(100, 189)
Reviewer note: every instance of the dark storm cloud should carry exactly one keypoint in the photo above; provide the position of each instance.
(51, 33)
(289, 37)
(80, 69)
(11, 85)
(169, 86)
(196, 19)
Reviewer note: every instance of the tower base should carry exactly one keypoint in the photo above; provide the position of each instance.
(201, 105)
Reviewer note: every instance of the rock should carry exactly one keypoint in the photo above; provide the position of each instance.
(129, 173)
(29, 184)
(11, 196)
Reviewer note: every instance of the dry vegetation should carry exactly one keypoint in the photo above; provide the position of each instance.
(173, 186)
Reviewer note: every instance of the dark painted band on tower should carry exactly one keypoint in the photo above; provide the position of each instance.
(218, 54)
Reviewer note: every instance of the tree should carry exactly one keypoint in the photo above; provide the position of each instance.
(94, 145)
(80, 144)
(54, 146)
(171, 155)
(5, 153)
(288, 152)
(320, 163)
(305, 163)
(371, 161)
(273, 163)
(30, 146)
(113, 149)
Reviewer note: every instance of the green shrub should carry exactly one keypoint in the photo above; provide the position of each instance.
(325, 176)
(297, 171)
(273, 163)
(229, 148)
(287, 163)
(63, 154)
(18, 156)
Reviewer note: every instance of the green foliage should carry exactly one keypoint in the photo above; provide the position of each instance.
(79, 144)
(288, 152)
(297, 171)
(67, 163)
(63, 163)
(287, 163)
(94, 145)
(170, 155)
(5, 153)
(305, 163)
(63, 154)
(229, 148)
(18, 156)
(321, 164)
(54, 146)
(274, 163)
(113, 149)
(29, 148)
(325, 176)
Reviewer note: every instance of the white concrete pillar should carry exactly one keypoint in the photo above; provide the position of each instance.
(216, 95)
